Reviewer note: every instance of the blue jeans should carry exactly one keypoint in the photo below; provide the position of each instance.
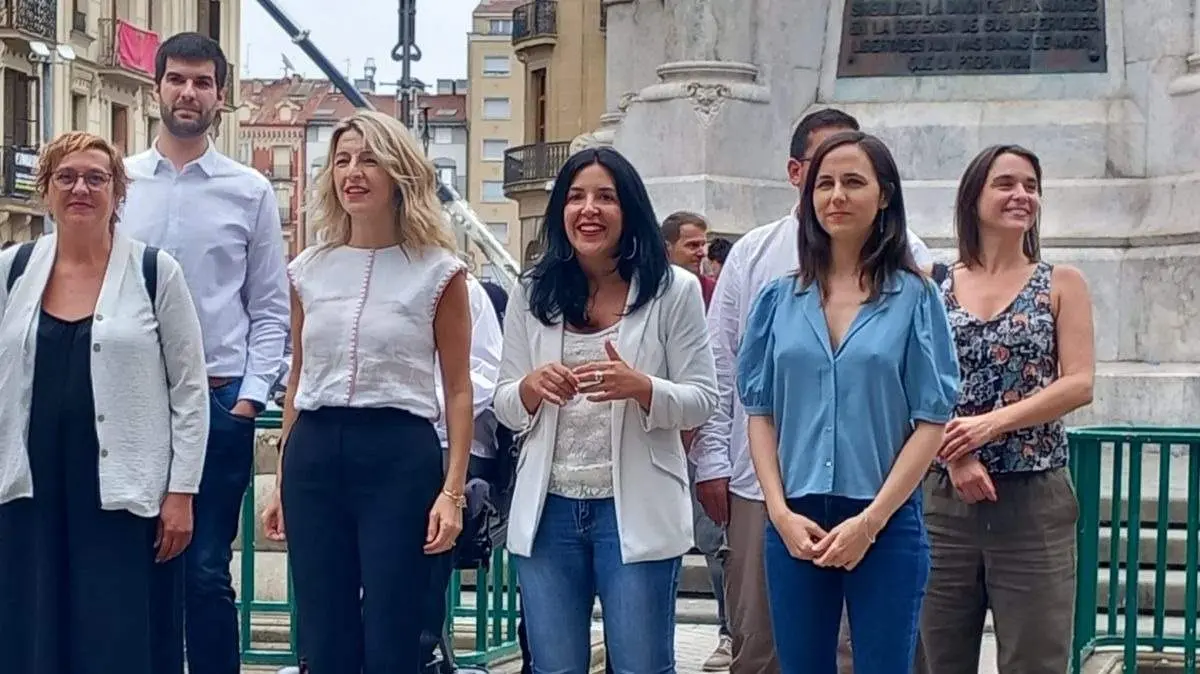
(210, 616)
(577, 556)
(882, 594)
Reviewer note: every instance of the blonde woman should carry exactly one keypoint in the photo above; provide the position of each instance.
(103, 427)
(361, 491)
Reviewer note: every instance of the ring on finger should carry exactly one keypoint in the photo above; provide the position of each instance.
(599, 377)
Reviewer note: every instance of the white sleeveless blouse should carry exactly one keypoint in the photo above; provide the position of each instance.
(368, 326)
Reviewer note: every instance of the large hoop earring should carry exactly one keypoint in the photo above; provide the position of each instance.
(570, 255)
(628, 257)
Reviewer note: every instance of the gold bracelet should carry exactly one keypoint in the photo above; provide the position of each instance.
(458, 499)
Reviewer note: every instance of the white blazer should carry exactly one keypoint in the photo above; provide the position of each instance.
(148, 379)
(666, 339)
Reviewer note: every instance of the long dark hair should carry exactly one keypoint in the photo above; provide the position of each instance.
(886, 250)
(556, 285)
(966, 207)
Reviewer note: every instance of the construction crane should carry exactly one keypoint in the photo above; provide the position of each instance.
(458, 212)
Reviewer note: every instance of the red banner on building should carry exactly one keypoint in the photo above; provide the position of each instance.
(136, 47)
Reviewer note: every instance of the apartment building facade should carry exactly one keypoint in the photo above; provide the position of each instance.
(562, 47)
(442, 124)
(88, 65)
(496, 119)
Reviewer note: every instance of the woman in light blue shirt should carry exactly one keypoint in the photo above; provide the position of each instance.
(848, 374)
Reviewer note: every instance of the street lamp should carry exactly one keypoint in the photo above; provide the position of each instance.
(39, 52)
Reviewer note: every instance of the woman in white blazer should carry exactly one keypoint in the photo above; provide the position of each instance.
(103, 428)
(606, 360)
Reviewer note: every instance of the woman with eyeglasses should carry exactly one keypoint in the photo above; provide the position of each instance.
(103, 427)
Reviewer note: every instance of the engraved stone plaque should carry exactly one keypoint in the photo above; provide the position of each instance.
(890, 38)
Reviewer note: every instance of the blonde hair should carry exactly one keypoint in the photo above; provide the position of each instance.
(78, 141)
(418, 219)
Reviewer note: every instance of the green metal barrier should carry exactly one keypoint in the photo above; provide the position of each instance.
(1136, 610)
(248, 605)
(490, 617)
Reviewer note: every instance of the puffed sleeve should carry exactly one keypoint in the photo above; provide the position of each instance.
(756, 355)
(931, 376)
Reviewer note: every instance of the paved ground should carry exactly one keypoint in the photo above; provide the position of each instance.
(693, 645)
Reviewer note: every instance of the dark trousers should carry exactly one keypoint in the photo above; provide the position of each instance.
(211, 618)
(882, 594)
(1016, 556)
(357, 488)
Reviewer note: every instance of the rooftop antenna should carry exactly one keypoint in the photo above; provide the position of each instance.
(288, 68)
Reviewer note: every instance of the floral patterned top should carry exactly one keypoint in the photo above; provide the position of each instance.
(1005, 360)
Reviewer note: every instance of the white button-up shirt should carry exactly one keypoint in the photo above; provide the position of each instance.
(721, 448)
(487, 343)
(220, 220)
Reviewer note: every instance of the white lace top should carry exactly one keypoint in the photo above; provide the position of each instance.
(368, 326)
(582, 464)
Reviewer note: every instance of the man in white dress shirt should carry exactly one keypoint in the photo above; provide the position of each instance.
(220, 220)
(726, 485)
(487, 342)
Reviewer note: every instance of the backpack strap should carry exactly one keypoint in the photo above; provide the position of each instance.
(149, 269)
(19, 263)
(150, 273)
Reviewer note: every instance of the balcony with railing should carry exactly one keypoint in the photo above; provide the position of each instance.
(29, 18)
(127, 51)
(532, 166)
(535, 23)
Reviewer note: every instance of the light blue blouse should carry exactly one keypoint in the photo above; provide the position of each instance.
(843, 416)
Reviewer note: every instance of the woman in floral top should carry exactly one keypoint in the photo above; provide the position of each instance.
(999, 504)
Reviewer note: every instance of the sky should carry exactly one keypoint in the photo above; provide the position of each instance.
(350, 31)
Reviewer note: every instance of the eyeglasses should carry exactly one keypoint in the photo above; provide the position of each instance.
(67, 179)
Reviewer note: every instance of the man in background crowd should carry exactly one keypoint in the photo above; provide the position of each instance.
(686, 234)
(718, 250)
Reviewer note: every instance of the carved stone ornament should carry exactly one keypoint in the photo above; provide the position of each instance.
(708, 85)
(707, 99)
(150, 103)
